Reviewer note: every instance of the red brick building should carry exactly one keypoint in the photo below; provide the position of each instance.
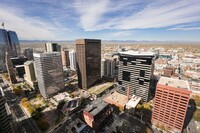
(170, 103)
(96, 114)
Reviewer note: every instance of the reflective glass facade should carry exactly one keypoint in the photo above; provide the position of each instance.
(14, 43)
(3, 45)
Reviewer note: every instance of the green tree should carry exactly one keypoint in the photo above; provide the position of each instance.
(147, 106)
(24, 99)
(17, 91)
(139, 107)
(196, 115)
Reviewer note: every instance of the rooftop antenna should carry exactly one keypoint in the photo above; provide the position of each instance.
(3, 25)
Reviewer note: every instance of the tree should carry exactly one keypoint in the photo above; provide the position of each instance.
(30, 109)
(196, 115)
(17, 91)
(24, 99)
(147, 106)
(139, 107)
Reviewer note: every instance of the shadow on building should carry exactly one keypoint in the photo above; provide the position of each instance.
(190, 112)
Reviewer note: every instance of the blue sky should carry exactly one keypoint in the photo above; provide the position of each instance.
(160, 20)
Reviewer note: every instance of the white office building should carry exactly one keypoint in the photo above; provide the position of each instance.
(49, 73)
(72, 59)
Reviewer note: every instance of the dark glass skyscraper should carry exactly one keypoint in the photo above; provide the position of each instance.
(14, 43)
(88, 57)
(3, 47)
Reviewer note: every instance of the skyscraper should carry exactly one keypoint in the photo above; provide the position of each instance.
(72, 59)
(30, 74)
(3, 46)
(49, 73)
(108, 68)
(8, 42)
(5, 114)
(65, 58)
(88, 56)
(14, 44)
(170, 103)
(135, 70)
(28, 52)
(10, 69)
(52, 47)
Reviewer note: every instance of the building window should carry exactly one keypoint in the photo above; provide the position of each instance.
(126, 76)
(141, 82)
(142, 73)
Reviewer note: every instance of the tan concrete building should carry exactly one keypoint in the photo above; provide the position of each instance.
(65, 57)
(30, 74)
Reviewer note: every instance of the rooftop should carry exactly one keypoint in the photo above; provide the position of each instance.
(177, 83)
(96, 106)
(46, 54)
(61, 96)
(100, 88)
(132, 103)
(137, 53)
(28, 62)
(116, 98)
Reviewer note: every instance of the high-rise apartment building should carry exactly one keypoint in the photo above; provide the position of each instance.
(65, 58)
(49, 73)
(72, 60)
(170, 103)
(135, 70)
(5, 114)
(28, 52)
(52, 47)
(30, 74)
(88, 56)
(14, 44)
(10, 69)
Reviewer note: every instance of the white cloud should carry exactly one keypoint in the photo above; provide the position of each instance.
(28, 27)
(151, 14)
(185, 28)
(123, 33)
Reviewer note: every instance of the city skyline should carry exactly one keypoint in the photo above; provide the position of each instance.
(128, 20)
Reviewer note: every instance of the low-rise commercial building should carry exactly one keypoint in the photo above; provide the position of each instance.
(96, 114)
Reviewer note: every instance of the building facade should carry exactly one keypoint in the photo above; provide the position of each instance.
(96, 114)
(5, 114)
(108, 68)
(170, 103)
(3, 46)
(30, 74)
(65, 58)
(88, 62)
(52, 47)
(135, 70)
(10, 69)
(49, 73)
(72, 60)
(28, 52)
(14, 44)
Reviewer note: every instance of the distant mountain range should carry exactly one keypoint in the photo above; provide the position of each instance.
(113, 41)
